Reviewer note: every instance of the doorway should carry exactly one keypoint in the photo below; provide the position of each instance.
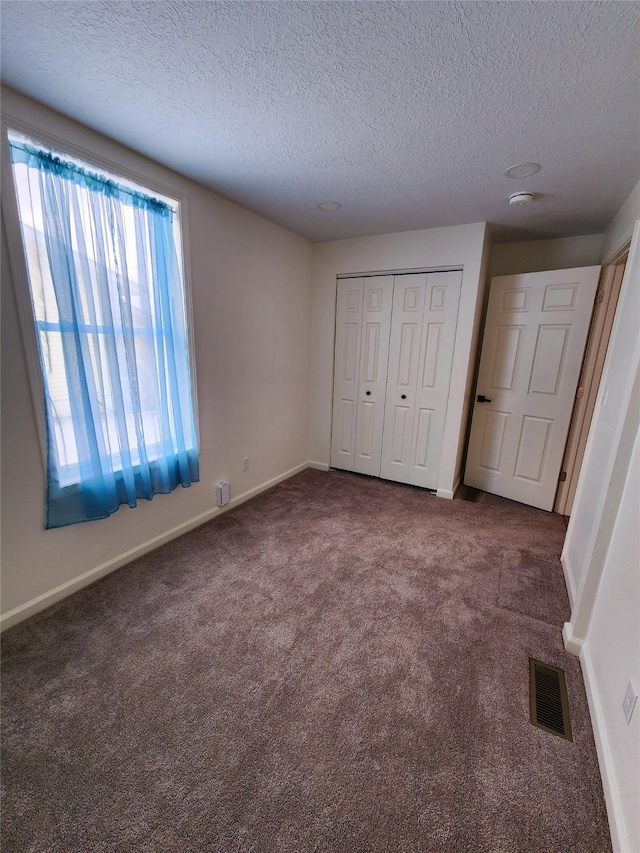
(594, 358)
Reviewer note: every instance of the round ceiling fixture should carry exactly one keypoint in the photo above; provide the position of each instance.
(329, 205)
(522, 170)
(520, 198)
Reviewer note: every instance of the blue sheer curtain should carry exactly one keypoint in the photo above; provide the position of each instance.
(109, 308)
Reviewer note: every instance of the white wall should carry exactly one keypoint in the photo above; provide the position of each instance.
(610, 657)
(620, 228)
(252, 314)
(600, 556)
(464, 246)
(540, 255)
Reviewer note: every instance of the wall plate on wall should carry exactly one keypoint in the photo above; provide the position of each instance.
(629, 701)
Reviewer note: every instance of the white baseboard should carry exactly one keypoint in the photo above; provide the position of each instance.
(444, 493)
(619, 838)
(319, 466)
(449, 493)
(30, 608)
(572, 643)
(568, 577)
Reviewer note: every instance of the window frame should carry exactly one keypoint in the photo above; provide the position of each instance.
(18, 262)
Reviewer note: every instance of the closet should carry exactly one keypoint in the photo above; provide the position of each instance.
(394, 345)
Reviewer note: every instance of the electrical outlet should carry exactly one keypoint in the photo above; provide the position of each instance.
(245, 463)
(629, 701)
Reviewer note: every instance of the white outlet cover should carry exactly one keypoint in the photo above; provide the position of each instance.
(629, 701)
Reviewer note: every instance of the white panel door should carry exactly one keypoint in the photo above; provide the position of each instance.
(363, 321)
(534, 341)
(346, 372)
(424, 319)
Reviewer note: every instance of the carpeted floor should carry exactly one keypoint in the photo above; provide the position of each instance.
(340, 664)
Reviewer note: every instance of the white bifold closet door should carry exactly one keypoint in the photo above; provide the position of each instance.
(363, 324)
(394, 349)
(423, 330)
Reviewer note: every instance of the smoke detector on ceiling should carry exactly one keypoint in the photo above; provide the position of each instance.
(521, 198)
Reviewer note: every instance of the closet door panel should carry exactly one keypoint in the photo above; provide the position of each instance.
(374, 357)
(363, 323)
(346, 378)
(422, 444)
(440, 317)
(404, 354)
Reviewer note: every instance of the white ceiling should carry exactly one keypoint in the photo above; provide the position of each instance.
(407, 113)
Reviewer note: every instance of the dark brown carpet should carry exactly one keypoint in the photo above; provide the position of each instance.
(340, 664)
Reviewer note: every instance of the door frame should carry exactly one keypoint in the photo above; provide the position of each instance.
(596, 349)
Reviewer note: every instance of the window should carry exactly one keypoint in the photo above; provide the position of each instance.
(108, 301)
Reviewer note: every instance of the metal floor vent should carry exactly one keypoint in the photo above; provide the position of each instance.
(548, 702)
(470, 494)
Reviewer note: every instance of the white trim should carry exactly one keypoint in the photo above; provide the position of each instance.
(621, 226)
(319, 466)
(63, 145)
(572, 643)
(45, 600)
(446, 493)
(619, 254)
(22, 291)
(418, 270)
(568, 577)
(615, 811)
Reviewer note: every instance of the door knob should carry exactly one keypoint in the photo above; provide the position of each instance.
(368, 393)
(404, 396)
(482, 399)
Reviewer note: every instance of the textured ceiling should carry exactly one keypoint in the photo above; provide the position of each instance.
(407, 113)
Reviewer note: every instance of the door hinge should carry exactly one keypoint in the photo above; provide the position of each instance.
(562, 477)
(599, 297)
(580, 393)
